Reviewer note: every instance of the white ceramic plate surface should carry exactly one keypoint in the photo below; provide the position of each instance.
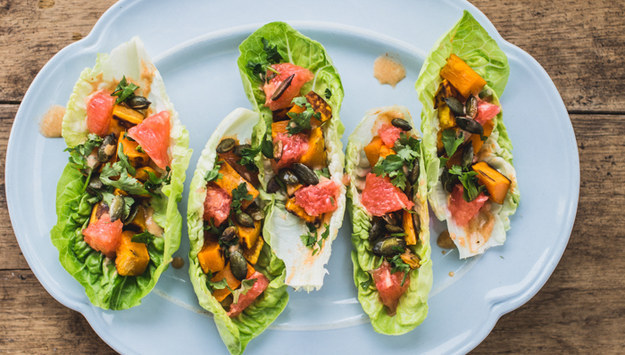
(195, 46)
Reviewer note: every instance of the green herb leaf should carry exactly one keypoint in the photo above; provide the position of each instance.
(271, 52)
(328, 94)
(214, 173)
(145, 237)
(125, 182)
(123, 159)
(154, 183)
(248, 155)
(450, 141)
(325, 172)
(124, 91)
(397, 264)
(216, 285)
(239, 194)
(78, 154)
(301, 121)
(469, 181)
(266, 148)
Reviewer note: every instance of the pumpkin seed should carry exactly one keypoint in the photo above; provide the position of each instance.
(448, 180)
(401, 124)
(282, 87)
(226, 145)
(470, 125)
(107, 149)
(471, 106)
(229, 236)
(455, 105)
(467, 155)
(414, 172)
(377, 229)
(393, 228)
(116, 208)
(273, 185)
(244, 219)
(238, 265)
(416, 221)
(287, 177)
(389, 246)
(238, 150)
(138, 103)
(277, 150)
(305, 174)
(133, 213)
(94, 185)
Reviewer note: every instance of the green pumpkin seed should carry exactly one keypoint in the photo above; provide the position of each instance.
(226, 145)
(138, 103)
(116, 208)
(470, 125)
(238, 265)
(107, 149)
(377, 229)
(287, 177)
(229, 236)
(305, 174)
(244, 219)
(455, 105)
(471, 107)
(401, 124)
(389, 246)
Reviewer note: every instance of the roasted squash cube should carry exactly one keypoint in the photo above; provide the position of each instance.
(249, 235)
(210, 257)
(445, 117)
(409, 229)
(476, 139)
(138, 223)
(233, 282)
(376, 150)
(319, 105)
(142, 173)
(230, 180)
(98, 210)
(132, 258)
(291, 206)
(251, 255)
(279, 127)
(462, 77)
(129, 147)
(127, 114)
(315, 156)
(496, 183)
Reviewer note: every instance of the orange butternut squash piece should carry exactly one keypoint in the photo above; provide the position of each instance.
(462, 77)
(315, 156)
(211, 258)
(319, 105)
(129, 147)
(142, 173)
(138, 223)
(445, 117)
(477, 141)
(411, 234)
(252, 254)
(291, 206)
(249, 235)
(279, 127)
(127, 114)
(232, 281)
(496, 184)
(231, 179)
(132, 258)
(376, 150)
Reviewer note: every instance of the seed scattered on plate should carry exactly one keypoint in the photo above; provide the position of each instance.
(451, 274)
(177, 262)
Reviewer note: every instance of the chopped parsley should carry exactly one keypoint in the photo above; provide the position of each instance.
(325, 172)
(312, 240)
(124, 181)
(124, 91)
(145, 237)
(259, 68)
(327, 94)
(469, 182)
(397, 264)
(301, 121)
(450, 141)
(78, 154)
(406, 151)
(123, 159)
(240, 194)
(153, 182)
(214, 173)
(216, 285)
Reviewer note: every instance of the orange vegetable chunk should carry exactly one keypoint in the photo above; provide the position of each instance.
(462, 77)
(496, 184)
(210, 257)
(411, 234)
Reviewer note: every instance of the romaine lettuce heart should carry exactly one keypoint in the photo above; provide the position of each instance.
(413, 307)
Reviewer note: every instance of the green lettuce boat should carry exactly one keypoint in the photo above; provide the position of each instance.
(305, 267)
(95, 272)
(237, 331)
(412, 307)
(470, 42)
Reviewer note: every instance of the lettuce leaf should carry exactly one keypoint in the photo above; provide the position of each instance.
(470, 41)
(300, 50)
(413, 307)
(238, 331)
(97, 274)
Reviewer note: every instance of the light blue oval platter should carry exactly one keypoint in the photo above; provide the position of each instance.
(195, 45)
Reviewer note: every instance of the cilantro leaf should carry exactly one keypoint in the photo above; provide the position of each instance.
(145, 237)
(271, 52)
(124, 182)
(78, 154)
(214, 173)
(154, 183)
(469, 181)
(124, 91)
(123, 159)
(239, 194)
(248, 155)
(266, 148)
(325, 172)
(328, 94)
(301, 121)
(392, 166)
(450, 141)
(397, 264)
(216, 285)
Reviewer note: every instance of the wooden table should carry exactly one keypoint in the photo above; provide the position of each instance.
(581, 44)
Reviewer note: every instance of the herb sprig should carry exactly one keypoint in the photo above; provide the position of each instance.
(314, 241)
(301, 121)
(272, 56)
(124, 91)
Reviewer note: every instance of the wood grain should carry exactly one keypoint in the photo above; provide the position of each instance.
(581, 45)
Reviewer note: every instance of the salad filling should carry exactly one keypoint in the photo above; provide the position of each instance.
(391, 256)
(298, 93)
